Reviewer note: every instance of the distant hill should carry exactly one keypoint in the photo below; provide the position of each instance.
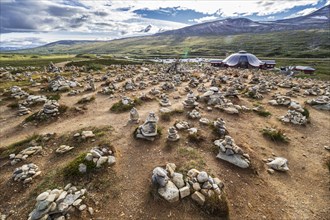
(305, 36)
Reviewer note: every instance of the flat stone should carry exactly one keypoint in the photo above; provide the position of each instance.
(42, 196)
(101, 161)
(82, 207)
(170, 192)
(111, 160)
(198, 197)
(196, 186)
(184, 192)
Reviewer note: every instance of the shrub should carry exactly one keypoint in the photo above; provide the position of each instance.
(13, 105)
(264, 113)
(216, 205)
(275, 135)
(305, 113)
(196, 137)
(55, 96)
(94, 67)
(71, 170)
(166, 116)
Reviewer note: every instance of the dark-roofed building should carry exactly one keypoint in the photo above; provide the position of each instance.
(304, 69)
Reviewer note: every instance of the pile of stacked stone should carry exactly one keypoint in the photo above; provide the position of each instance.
(204, 121)
(194, 114)
(181, 125)
(231, 92)
(24, 154)
(99, 156)
(173, 134)
(134, 116)
(164, 100)
(154, 91)
(190, 101)
(253, 92)
(285, 84)
(148, 130)
(34, 99)
(320, 102)
(58, 203)
(296, 106)
(59, 83)
(22, 110)
(220, 127)
(18, 93)
(90, 85)
(130, 85)
(280, 100)
(84, 135)
(315, 90)
(213, 97)
(63, 149)
(193, 83)
(172, 187)
(26, 173)
(294, 117)
(232, 153)
(167, 86)
(50, 109)
(201, 88)
(277, 163)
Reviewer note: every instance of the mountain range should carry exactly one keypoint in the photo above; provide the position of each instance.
(304, 36)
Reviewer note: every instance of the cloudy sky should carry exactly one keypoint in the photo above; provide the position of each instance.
(30, 23)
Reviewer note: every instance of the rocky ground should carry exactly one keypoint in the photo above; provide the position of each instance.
(123, 189)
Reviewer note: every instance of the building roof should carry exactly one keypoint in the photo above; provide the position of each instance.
(242, 56)
(304, 68)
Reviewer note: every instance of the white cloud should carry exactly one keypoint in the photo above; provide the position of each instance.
(302, 12)
(205, 19)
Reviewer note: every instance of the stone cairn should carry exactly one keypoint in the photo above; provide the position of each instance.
(190, 101)
(148, 130)
(278, 163)
(280, 100)
(294, 117)
(194, 114)
(22, 110)
(320, 103)
(98, 156)
(63, 149)
(34, 99)
(181, 125)
(26, 173)
(50, 109)
(134, 116)
(164, 100)
(173, 134)
(232, 153)
(172, 187)
(24, 154)
(18, 93)
(58, 203)
(220, 127)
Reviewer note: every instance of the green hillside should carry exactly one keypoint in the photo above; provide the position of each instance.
(311, 43)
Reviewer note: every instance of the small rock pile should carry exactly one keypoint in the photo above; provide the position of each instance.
(98, 156)
(194, 114)
(294, 117)
(63, 149)
(232, 153)
(50, 109)
(280, 100)
(181, 125)
(22, 110)
(24, 154)
(26, 173)
(320, 103)
(173, 134)
(58, 203)
(34, 99)
(18, 93)
(172, 186)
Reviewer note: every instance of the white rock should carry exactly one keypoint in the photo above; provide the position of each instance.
(178, 180)
(184, 191)
(111, 160)
(202, 177)
(170, 192)
(101, 161)
(42, 196)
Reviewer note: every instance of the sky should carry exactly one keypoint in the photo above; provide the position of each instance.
(31, 23)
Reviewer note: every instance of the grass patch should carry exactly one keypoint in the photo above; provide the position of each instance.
(13, 105)
(71, 170)
(305, 113)
(166, 116)
(216, 205)
(86, 100)
(263, 113)
(275, 135)
(119, 107)
(54, 96)
(18, 146)
(42, 118)
(192, 159)
(196, 137)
